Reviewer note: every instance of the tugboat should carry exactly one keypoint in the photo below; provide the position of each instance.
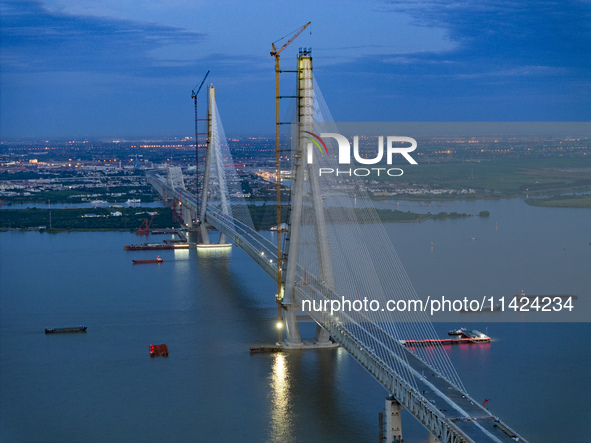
(456, 331)
(141, 262)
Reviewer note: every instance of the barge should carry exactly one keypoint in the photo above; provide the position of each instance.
(65, 330)
(142, 262)
(464, 336)
(155, 247)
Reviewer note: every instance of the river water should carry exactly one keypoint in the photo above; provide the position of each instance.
(209, 308)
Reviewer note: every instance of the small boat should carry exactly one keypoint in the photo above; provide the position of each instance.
(64, 330)
(142, 262)
(158, 350)
(456, 331)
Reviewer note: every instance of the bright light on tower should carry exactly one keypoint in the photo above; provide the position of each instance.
(279, 325)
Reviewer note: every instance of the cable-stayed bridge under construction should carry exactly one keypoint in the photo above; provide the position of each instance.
(329, 249)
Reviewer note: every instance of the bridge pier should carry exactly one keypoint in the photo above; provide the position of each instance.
(393, 421)
(321, 337)
(293, 339)
(292, 331)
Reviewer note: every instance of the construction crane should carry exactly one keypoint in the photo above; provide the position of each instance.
(144, 229)
(280, 257)
(275, 53)
(193, 93)
(194, 97)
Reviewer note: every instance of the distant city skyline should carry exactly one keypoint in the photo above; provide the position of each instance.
(126, 69)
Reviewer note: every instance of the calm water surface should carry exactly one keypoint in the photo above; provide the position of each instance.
(209, 308)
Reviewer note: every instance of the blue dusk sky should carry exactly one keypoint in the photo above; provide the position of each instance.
(125, 69)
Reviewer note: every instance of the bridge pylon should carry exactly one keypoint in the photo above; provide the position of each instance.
(303, 172)
(213, 170)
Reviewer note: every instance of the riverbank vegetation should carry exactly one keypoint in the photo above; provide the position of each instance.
(562, 201)
(86, 219)
(264, 216)
(111, 194)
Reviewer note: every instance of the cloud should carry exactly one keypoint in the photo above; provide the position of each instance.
(34, 39)
(508, 33)
(502, 52)
(114, 67)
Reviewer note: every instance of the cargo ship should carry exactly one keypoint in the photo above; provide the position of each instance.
(142, 262)
(64, 330)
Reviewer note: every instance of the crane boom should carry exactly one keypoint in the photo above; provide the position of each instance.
(193, 93)
(275, 52)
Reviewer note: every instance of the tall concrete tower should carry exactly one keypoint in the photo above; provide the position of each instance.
(305, 173)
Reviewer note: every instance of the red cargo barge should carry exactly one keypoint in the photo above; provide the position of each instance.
(141, 262)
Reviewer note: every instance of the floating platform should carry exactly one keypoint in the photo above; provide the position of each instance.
(182, 237)
(267, 349)
(65, 330)
(155, 247)
(213, 245)
(303, 345)
(462, 336)
(158, 350)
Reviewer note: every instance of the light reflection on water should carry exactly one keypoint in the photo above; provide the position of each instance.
(280, 384)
